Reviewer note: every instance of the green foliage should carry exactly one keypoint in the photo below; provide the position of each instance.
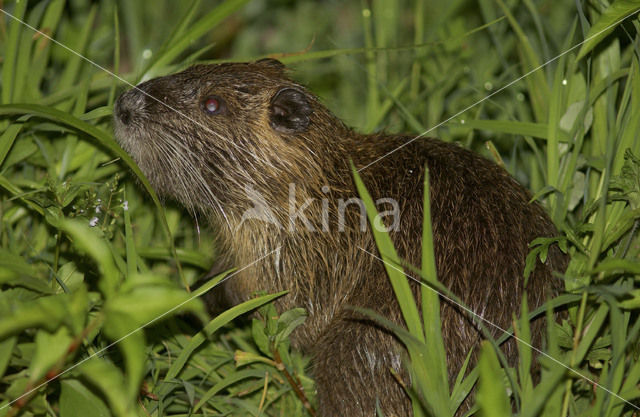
(96, 312)
(87, 259)
(587, 170)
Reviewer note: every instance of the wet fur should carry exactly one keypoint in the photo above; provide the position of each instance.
(272, 132)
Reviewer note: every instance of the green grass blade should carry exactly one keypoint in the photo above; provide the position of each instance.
(75, 61)
(492, 397)
(6, 348)
(536, 130)
(213, 326)
(11, 51)
(229, 380)
(629, 135)
(116, 57)
(591, 332)
(42, 49)
(618, 345)
(418, 38)
(537, 84)
(7, 139)
(547, 395)
(189, 257)
(430, 298)
(371, 68)
(606, 23)
(184, 22)
(523, 334)
(199, 28)
(130, 246)
(390, 257)
(23, 63)
(553, 127)
(99, 135)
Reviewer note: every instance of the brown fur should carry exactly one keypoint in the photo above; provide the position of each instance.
(482, 220)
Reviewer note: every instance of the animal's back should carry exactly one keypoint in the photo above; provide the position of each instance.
(483, 222)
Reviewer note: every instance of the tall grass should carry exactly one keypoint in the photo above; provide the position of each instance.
(87, 258)
(583, 107)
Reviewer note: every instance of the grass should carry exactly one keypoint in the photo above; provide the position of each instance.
(86, 257)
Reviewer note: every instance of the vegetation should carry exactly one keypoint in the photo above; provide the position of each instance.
(97, 277)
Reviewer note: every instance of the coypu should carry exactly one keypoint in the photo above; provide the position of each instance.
(230, 139)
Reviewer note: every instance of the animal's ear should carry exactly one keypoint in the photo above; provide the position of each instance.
(271, 63)
(290, 110)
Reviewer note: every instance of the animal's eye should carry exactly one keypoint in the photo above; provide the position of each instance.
(212, 105)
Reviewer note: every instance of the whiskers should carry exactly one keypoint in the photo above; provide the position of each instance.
(182, 175)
